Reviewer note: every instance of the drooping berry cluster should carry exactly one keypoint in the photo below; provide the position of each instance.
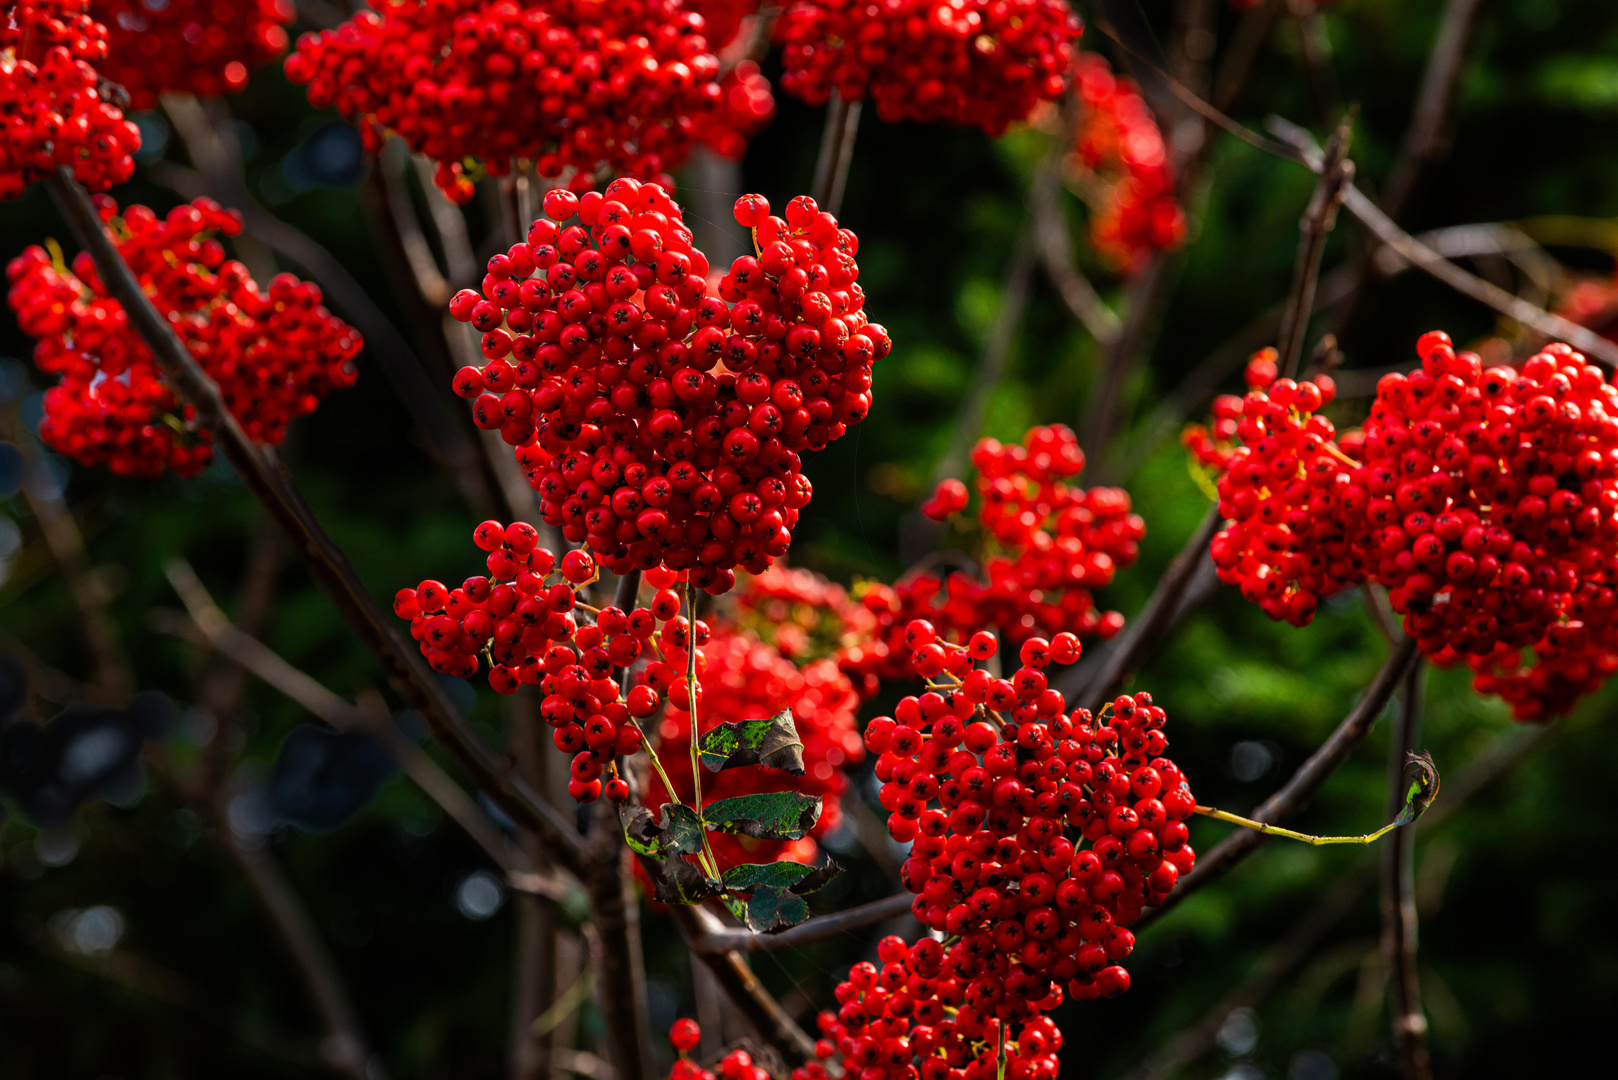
(984, 63)
(203, 47)
(1050, 543)
(1121, 151)
(741, 678)
(1482, 500)
(918, 1016)
(52, 103)
(274, 353)
(574, 84)
(803, 615)
(526, 621)
(662, 424)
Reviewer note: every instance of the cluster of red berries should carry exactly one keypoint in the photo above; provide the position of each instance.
(572, 84)
(1214, 444)
(1482, 500)
(737, 1064)
(523, 619)
(1593, 302)
(722, 19)
(1119, 145)
(1053, 543)
(203, 47)
(984, 63)
(274, 353)
(741, 678)
(660, 423)
(52, 103)
(920, 1006)
(746, 107)
(803, 615)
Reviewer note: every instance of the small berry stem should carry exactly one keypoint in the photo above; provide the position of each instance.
(708, 860)
(1276, 830)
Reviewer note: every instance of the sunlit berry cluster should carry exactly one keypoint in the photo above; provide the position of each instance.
(660, 423)
(741, 678)
(52, 103)
(1048, 544)
(203, 47)
(525, 620)
(1482, 500)
(987, 778)
(274, 353)
(1214, 444)
(983, 63)
(803, 615)
(1121, 151)
(570, 85)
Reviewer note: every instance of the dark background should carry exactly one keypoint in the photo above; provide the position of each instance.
(1519, 956)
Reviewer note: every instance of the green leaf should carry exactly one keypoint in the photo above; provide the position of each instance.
(773, 909)
(679, 833)
(1423, 788)
(773, 743)
(777, 815)
(681, 882)
(794, 877)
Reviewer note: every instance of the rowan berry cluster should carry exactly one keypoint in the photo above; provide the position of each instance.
(274, 353)
(572, 84)
(524, 620)
(660, 423)
(742, 678)
(802, 614)
(203, 47)
(746, 107)
(52, 101)
(1214, 444)
(983, 63)
(1120, 149)
(737, 1064)
(1482, 500)
(917, 1007)
(998, 788)
(1051, 542)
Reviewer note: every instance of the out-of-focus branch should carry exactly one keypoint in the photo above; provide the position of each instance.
(1297, 792)
(1423, 139)
(620, 961)
(1051, 236)
(394, 165)
(346, 1048)
(836, 152)
(1314, 228)
(1399, 917)
(805, 933)
(1316, 49)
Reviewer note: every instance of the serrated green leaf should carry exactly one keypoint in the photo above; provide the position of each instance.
(679, 832)
(773, 909)
(776, 815)
(773, 743)
(794, 877)
(681, 882)
(1423, 789)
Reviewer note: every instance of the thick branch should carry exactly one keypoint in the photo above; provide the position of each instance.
(1297, 792)
(1399, 917)
(622, 968)
(805, 933)
(325, 562)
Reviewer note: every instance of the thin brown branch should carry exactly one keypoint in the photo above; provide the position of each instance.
(805, 933)
(346, 1047)
(450, 225)
(1316, 225)
(1052, 237)
(1399, 916)
(1296, 793)
(836, 152)
(394, 166)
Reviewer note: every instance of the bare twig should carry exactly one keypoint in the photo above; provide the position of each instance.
(394, 166)
(1399, 918)
(836, 152)
(805, 933)
(1125, 652)
(1296, 793)
(1050, 231)
(346, 1047)
(1314, 228)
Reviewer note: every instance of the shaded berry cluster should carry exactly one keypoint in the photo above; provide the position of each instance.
(53, 103)
(570, 85)
(982, 63)
(662, 421)
(203, 47)
(274, 353)
(805, 616)
(1120, 148)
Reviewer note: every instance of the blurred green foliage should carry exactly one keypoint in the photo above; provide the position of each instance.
(1518, 962)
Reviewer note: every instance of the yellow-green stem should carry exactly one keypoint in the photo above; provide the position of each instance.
(1276, 830)
(711, 863)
